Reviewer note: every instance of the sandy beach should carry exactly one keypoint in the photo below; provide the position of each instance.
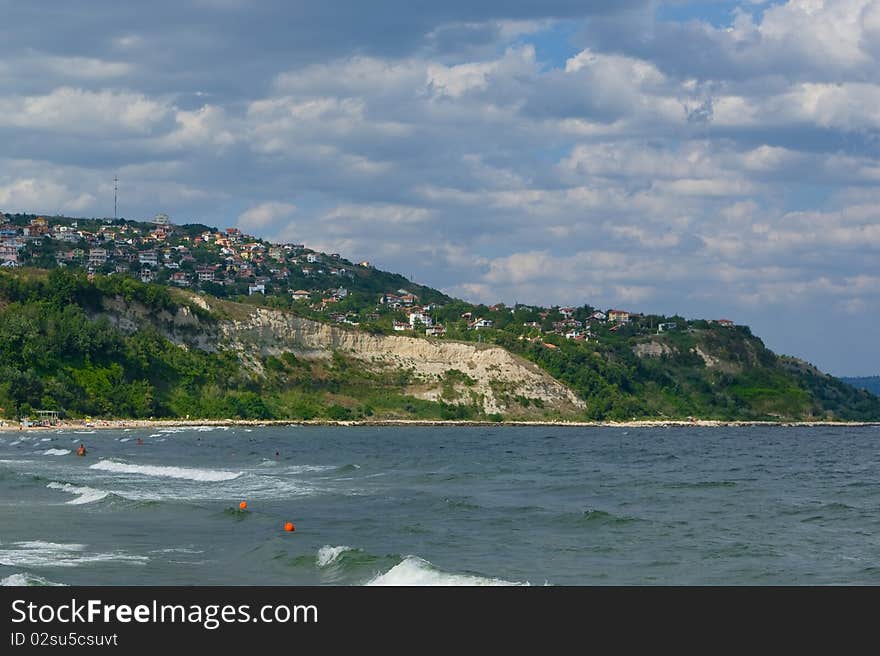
(118, 424)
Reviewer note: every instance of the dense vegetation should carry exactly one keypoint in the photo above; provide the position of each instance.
(55, 356)
(57, 353)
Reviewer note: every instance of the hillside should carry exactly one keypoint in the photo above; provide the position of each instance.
(113, 346)
(143, 319)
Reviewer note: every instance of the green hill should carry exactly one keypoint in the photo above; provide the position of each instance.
(70, 340)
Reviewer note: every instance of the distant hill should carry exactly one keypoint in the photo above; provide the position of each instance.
(870, 383)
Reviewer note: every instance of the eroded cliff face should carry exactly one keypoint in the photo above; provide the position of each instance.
(498, 375)
(495, 377)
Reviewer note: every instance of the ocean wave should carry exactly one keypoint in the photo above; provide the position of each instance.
(56, 452)
(25, 579)
(327, 555)
(37, 553)
(83, 494)
(413, 570)
(187, 473)
(305, 469)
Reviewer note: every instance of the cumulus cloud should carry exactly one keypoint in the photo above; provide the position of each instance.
(553, 152)
(265, 215)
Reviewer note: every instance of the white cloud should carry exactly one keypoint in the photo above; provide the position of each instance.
(35, 195)
(67, 110)
(266, 216)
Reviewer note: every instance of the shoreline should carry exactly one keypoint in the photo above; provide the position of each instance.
(643, 423)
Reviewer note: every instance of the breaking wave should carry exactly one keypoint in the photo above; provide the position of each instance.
(413, 570)
(187, 473)
(83, 494)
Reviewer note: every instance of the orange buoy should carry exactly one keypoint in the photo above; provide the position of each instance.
(289, 527)
(243, 505)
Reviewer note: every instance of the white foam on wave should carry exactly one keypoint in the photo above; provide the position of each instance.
(124, 439)
(413, 570)
(17, 442)
(156, 435)
(304, 469)
(46, 439)
(187, 473)
(37, 553)
(25, 579)
(56, 452)
(84, 432)
(191, 429)
(83, 494)
(327, 555)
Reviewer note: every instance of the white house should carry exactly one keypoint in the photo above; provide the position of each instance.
(480, 324)
(419, 317)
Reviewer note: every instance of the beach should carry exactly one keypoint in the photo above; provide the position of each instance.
(636, 423)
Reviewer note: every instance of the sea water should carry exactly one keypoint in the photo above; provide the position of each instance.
(442, 506)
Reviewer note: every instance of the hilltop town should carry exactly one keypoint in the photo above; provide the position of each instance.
(231, 264)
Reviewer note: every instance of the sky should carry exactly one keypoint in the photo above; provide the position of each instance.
(713, 159)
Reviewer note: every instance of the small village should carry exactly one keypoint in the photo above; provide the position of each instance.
(231, 264)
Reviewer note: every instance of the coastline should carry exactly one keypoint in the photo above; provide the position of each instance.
(643, 423)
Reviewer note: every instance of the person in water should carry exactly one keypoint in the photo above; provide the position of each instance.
(140, 442)
(81, 451)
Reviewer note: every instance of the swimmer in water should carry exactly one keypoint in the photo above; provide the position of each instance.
(81, 451)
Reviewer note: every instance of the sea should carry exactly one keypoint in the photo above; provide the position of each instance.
(447, 506)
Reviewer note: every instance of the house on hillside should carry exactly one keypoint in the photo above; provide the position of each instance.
(180, 279)
(618, 316)
(419, 317)
(149, 258)
(97, 257)
(480, 324)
